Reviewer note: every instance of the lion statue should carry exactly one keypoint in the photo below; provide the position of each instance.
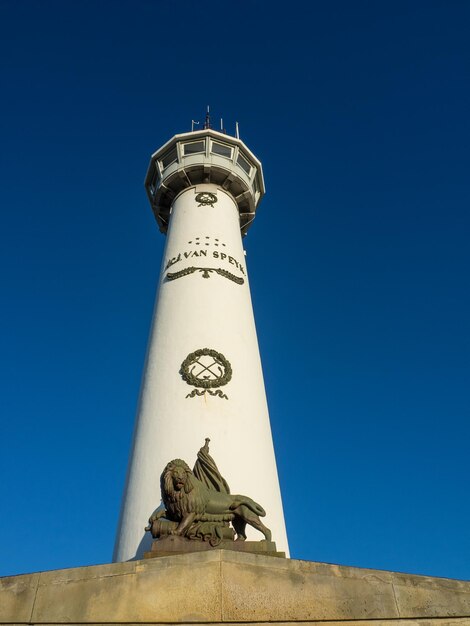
(188, 501)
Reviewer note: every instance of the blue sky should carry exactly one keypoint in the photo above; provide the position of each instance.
(358, 260)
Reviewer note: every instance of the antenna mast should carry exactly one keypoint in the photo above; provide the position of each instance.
(207, 123)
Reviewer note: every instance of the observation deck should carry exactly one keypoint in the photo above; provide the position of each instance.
(204, 156)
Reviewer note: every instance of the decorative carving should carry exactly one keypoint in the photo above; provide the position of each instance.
(196, 392)
(207, 241)
(206, 271)
(198, 505)
(205, 198)
(208, 369)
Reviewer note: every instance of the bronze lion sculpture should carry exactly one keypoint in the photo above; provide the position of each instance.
(188, 501)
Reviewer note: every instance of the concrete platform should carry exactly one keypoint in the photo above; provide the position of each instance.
(221, 587)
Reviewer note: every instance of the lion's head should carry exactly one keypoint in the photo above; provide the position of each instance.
(176, 477)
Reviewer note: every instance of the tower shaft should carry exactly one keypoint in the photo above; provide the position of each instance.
(203, 375)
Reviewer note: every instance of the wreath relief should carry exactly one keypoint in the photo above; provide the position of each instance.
(206, 198)
(208, 370)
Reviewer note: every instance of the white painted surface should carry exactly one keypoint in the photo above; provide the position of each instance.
(193, 312)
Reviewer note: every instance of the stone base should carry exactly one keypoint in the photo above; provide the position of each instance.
(227, 588)
(172, 545)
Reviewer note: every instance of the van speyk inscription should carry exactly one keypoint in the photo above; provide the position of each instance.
(198, 512)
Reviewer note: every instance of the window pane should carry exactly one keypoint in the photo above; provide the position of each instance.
(194, 147)
(222, 149)
(155, 177)
(243, 163)
(169, 157)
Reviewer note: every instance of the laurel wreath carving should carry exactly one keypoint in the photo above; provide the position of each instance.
(189, 377)
(205, 198)
(206, 272)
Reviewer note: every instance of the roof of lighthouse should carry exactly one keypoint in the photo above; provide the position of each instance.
(204, 156)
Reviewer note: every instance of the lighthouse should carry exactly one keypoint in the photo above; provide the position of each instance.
(202, 375)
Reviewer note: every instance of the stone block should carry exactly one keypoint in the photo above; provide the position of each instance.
(302, 591)
(157, 590)
(425, 596)
(17, 595)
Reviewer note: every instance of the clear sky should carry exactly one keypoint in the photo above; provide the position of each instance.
(358, 259)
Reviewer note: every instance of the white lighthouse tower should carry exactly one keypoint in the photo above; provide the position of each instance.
(202, 376)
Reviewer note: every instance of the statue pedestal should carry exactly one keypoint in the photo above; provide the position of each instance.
(173, 544)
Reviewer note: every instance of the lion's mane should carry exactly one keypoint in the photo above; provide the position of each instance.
(191, 499)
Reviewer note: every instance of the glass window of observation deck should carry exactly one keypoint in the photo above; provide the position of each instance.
(243, 163)
(169, 158)
(195, 147)
(221, 149)
(154, 181)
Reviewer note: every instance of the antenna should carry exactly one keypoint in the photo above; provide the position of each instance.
(207, 123)
(221, 125)
(192, 125)
(237, 132)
